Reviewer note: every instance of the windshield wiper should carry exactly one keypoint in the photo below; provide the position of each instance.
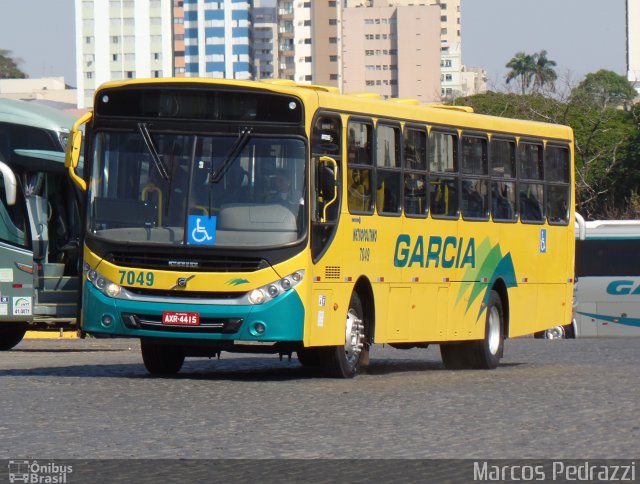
(162, 169)
(238, 145)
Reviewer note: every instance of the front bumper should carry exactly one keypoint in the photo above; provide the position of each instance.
(282, 318)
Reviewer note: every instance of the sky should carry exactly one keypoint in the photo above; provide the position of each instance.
(581, 36)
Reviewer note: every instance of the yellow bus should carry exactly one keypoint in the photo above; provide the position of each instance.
(279, 218)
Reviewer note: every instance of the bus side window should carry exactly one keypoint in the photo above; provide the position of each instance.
(388, 158)
(503, 180)
(325, 138)
(360, 167)
(443, 181)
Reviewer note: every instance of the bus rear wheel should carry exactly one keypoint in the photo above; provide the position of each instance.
(483, 354)
(160, 359)
(310, 357)
(344, 361)
(11, 335)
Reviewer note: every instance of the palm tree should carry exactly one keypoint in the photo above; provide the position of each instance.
(543, 72)
(523, 67)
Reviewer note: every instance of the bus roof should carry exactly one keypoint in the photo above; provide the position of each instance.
(369, 104)
(613, 229)
(35, 115)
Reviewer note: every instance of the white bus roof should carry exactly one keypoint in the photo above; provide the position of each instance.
(35, 115)
(612, 229)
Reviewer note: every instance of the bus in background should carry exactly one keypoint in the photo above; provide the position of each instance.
(39, 222)
(400, 224)
(608, 271)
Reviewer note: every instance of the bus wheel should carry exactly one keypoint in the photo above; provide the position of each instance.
(485, 354)
(482, 354)
(161, 359)
(11, 335)
(344, 361)
(557, 332)
(309, 357)
(455, 356)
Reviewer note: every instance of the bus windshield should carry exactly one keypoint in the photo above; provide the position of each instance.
(177, 189)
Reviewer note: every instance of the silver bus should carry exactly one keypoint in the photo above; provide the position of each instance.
(39, 222)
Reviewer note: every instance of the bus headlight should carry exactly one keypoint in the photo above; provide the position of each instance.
(104, 285)
(274, 289)
(257, 297)
(113, 290)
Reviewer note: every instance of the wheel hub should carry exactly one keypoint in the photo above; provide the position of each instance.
(354, 336)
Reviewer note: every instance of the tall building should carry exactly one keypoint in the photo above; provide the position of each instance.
(178, 38)
(265, 43)
(392, 50)
(308, 41)
(217, 38)
(633, 43)
(121, 39)
(313, 42)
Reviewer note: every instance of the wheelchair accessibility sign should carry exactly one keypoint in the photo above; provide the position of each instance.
(543, 241)
(201, 230)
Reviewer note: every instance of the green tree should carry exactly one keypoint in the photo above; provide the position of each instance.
(604, 89)
(522, 68)
(607, 139)
(9, 67)
(543, 72)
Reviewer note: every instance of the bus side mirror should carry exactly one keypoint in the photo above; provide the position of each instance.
(327, 186)
(72, 156)
(9, 183)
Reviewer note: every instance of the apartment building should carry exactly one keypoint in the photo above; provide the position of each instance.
(178, 38)
(217, 38)
(121, 39)
(308, 41)
(392, 51)
(265, 43)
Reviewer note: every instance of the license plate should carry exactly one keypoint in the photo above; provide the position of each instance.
(181, 318)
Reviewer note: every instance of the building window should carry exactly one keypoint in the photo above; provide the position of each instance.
(89, 75)
(129, 74)
(115, 39)
(333, 58)
(333, 40)
(332, 4)
(333, 77)
(333, 21)
(443, 6)
(115, 57)
(443, 18)
(443, 31)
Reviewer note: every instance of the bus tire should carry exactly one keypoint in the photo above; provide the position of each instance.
(483, 354)
(486, 353)
(344, 361)
(309, 357)
(161, 359)
(455, 356)
(11, 334)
